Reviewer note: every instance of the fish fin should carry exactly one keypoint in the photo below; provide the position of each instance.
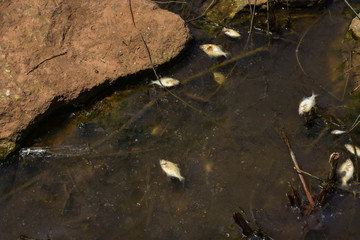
(182, 179)
(313, 94)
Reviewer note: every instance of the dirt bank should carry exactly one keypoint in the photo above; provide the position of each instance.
(51, 51)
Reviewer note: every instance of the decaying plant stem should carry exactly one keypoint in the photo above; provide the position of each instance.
(292, 155)
(357, 15)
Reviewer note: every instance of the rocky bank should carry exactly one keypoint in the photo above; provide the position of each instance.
(53, 51)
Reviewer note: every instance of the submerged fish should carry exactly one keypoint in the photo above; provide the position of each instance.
(171, 169)
(231, 32)
(166, 82)
(219, 77)
(307, 104)
(213, 50)
(351, 149)
(337, 132)
(348, 168)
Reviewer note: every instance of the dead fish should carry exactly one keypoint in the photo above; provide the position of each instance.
(213, 50)
(166, 82)
(171, 169)
(348, 168)
(307, 104)
(231, 32)
(351, 149)
(219, 77)
(337, 132)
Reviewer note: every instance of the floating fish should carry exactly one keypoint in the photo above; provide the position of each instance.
(337, 132)
(348, 168)
(166, 82)
(171, 169)
(351, 149)
(213, 50)
(219, 77)
(307, 104)
(231, 33)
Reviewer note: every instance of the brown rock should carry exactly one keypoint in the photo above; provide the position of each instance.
(51, 51)
(355, 27)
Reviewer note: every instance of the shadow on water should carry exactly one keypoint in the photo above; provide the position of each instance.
(98, 177)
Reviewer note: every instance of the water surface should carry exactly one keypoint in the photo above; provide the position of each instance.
(101, 179)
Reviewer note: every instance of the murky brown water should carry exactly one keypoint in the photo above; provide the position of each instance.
(102, 179)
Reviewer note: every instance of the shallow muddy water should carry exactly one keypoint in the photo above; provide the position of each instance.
(97, 176)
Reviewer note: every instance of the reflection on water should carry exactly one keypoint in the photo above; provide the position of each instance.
(102, 179)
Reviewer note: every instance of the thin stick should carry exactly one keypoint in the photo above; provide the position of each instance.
(292, 155)
(202, 13)
(127, 123)
(356, 122)
(213, 68)
(251, 25)
(268, 22)
(301, 40)
(347, 77)
(309, 174)
(142, 38)
(47, 59)
(358, 16)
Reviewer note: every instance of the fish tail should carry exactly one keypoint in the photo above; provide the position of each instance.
(182, 179)
(344, 182)
(227, 55)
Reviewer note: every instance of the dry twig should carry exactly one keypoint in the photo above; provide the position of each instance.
(47, 59)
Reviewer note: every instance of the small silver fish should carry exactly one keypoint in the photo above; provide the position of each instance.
(213, 50)
(171, 169)
(337, 132)
(307, 104)
(166, 82)
(231, 32)
(348, 168)
(351, 149)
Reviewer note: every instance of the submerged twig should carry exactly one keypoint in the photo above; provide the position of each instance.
(233, 59)
(355, 124)
(203, 14)
(127, 123)
(268, 22)
(309, 174)
(301, 40)
(357, 15)
(311, 201)
(347, 77)
(251, 24)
